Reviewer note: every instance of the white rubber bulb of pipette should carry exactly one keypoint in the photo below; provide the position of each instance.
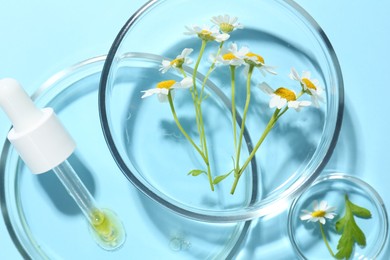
(17, 105)
(38, 136)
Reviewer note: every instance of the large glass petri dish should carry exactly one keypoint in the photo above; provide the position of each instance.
(45, 223)
(156, 157)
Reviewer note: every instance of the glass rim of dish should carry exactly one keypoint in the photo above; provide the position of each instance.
(364, 186)
(268, 205)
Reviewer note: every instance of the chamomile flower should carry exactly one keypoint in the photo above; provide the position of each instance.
(163, 88)
(321, 212)
(233, 56)
(178, 62)
(257, 61)
(226, 23)
(207, 33)
(282, 97)
(310, 86)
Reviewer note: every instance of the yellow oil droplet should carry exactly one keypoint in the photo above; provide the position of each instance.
(108, 231)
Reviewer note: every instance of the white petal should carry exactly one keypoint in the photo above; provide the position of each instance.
(188, 61)
(315, 101)
(233, 20)
(165, 66)
(323, 205)
(282, 102)
(322, 220)
(190, 30)
(165, 63)
(162, 97)
(262, 71)
(316, 82)
(186, 82)
(186, 52)
(297, 105)
(304, 103)
(163, 91)
(217, 59)
(214, 31)
(222, 37)
(306, 74)
(294, 74)
(315, 205)
(215, 20)
(198, 29)
(305, 216)
(236, 62)
(150, 92)
(270, 69)
(226, 18)
(242, 52)
(277, 101)
(233, 48)
(329, 215)
(266, 88)
(293, 104)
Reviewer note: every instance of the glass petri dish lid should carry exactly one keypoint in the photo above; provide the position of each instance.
(155, 155)
(306, 238)
(45, 223)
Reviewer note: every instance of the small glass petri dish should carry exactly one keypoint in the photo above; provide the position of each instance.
(306, 237)
(45, 223)
(155, 156)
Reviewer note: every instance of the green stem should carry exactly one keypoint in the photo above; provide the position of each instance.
(204, 145)
(248, 97)
(232, 70)
(182, 129)
(277, 114)
(210, 70)
(268, 128)
(182, 71)
(201, 52)
(193, 99)
(198, 110)
(325, 239)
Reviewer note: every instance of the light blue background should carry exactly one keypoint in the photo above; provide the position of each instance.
(40, 38)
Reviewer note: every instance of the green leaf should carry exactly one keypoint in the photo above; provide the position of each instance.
(351, 233)
(220, 178)
(196, 172)
(340, 225)
(360, 211)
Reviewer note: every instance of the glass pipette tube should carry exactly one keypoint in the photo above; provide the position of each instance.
(107, 229)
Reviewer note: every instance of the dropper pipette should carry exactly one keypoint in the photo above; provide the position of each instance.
(44, 144)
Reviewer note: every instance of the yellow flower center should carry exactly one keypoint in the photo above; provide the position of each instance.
(308, 83)
(228, 56)
(166, 84)
(205, 32)
(286, 93)
(177, 62)
(318, 214)
(226, 27)
(258, 57)
(206, 35)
